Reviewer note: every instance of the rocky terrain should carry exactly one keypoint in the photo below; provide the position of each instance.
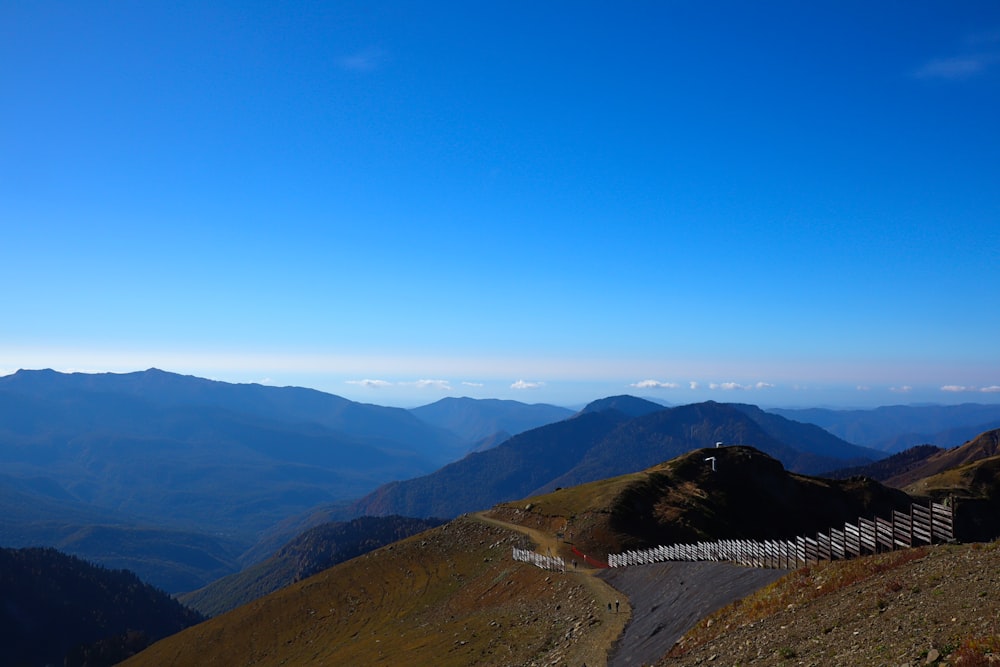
(938, 605)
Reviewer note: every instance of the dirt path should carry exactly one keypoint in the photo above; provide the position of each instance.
(657, 603)
(610, 605)
(668, 599)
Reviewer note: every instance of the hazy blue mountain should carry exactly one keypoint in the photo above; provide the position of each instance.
(202, 468)
(120, 453)
(944, 439)
(490, 442)
(649, 439)
(601, 443)
(40, 500)
(295, 405)
(474, 420)
(628, 405)
(222, 458)
(509, 470)
(287, 529)
(173, 560)
(808, 438)
(898, 427)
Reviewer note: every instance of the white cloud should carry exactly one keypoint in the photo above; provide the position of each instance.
(654, 384)
(443, 385)
(864, 387)
(472, 384)
(521, 384)
(372, 384)
(957, 388)
(736, 386)
(905, 389)
(726, 386)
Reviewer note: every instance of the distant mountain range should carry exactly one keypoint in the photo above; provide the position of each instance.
(202, 455)
(602, 441)
(189, 481)
(475, 420)
(184, 480)
(897, 427)
(175, 477)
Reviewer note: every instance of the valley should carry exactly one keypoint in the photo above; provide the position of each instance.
(148, 472)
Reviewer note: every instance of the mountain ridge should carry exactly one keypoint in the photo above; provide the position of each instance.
(595, 443)
(210, 463)
(893, 428)
(985, 445)
(475, 420)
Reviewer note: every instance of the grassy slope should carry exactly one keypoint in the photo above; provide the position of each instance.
(983, 446)
(450, 596)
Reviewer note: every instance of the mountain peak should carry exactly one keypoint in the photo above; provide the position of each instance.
(626, 404)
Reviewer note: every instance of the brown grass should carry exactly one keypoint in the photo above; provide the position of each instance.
(450, 597)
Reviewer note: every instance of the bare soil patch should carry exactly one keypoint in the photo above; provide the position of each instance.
(668, 599)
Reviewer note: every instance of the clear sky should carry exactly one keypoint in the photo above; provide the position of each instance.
(780, 203)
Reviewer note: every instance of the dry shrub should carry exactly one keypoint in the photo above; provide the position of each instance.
(978, 652)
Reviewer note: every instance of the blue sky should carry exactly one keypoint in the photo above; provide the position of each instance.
(775, 203)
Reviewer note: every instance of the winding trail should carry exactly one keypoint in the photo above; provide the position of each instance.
(659, 602)
(596, 649)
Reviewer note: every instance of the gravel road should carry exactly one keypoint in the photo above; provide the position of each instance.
(667, 599)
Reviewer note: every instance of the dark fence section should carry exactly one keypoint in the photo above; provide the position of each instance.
(923, 525)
